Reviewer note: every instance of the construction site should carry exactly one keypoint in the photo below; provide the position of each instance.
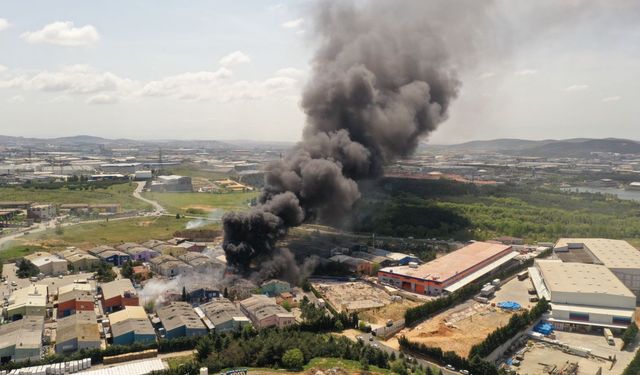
(373, 304)
(457, 329)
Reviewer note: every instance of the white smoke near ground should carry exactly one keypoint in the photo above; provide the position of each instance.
(213, 217)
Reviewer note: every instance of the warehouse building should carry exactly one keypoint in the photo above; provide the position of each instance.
(264, 312)
(48, 264)
(118, 294)
(172, 183)
(449, 272)
(78, 331)
(73, 298)
(79, 260)
(179, 319)
(224, 315)
(28, 301)
(617, 255)
(131, 325)
(583, 295)
(21, 340)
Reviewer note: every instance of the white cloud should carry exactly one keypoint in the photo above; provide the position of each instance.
(574, 88)
(293, 24)
(16, 99)
(99, 87)
(525, 72)
(4, 24)
(3, 68)
(235, 58)
(611, 99)
(290, 72)
(185, 84)
(74, 79)
(102, 99)
(486, 75)
(63, 34)
(275, 7)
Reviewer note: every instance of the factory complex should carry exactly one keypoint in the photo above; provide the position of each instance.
(449, 272)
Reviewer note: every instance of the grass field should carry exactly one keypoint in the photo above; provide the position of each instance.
(93, 234)
(121, 194)
(180, 202)
(194, 170)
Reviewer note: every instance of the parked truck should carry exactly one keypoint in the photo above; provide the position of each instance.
(609, 336)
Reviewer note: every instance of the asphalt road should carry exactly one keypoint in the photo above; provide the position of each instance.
(136, 194)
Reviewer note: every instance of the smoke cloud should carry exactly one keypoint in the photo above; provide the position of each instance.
(383, 78)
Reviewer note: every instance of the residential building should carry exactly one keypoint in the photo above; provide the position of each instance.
(131, 325)
(224, 315)
(141, 253)
(118, 294)
(78, 331)
(22, 340)
(264, 312)
(179, 319)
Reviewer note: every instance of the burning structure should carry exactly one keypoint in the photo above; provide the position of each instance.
(378, 86)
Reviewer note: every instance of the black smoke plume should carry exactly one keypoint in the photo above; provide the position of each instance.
(383, 78)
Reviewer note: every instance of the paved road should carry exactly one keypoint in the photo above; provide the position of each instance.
(136, 194)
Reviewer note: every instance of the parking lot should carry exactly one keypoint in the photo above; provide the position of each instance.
(515, 290)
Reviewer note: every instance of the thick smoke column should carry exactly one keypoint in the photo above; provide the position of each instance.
(383, 78)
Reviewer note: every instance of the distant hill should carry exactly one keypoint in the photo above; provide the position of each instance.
(93, 140)
(574, 147)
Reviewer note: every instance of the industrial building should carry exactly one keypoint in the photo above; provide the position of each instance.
(449, 272)
(264, 312)
(224, 315)
(21, 340)
(170, 266)
(172, 183)
(75, 297)
(48, 264)
(117, 294)
(617, 255)
(583, 295)
(131, 325)
(79, 260)
(78, 331)
(41, 212)
(138, 252)
(178, 319)
(27, 301)
(110, 255)
(275, 287)
(355, 265)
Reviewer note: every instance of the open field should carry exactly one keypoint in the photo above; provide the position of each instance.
(457, 329)
(100, 233)
(121, 194)
(539, 357)
(195, 171)
(180, 202)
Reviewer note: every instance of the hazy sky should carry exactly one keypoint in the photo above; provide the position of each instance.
(235, 69)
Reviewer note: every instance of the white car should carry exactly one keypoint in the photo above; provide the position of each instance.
(450, 368)
(464, 372)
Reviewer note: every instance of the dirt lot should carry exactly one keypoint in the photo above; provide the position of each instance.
(457, 329)
(541, 356)
(352, 296)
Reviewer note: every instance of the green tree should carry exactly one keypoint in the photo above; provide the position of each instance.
(127, 269)
(104, 272)
(26, 269)
(293, 359)
(204, 348)
(184, 294)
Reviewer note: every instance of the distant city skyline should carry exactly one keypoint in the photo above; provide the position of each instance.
(225, 70)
